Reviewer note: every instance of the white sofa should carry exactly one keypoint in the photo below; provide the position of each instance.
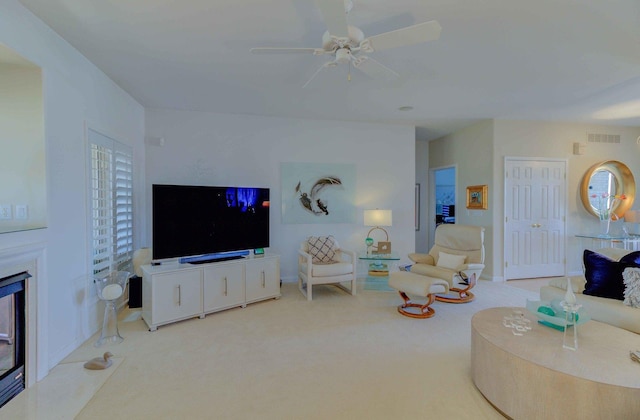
(610, 311)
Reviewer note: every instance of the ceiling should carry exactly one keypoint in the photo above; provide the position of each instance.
(568, 60)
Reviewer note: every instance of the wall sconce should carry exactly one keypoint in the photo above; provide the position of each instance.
(378, 218)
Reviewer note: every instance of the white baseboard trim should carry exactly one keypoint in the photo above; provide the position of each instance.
(289, 279)
(484, 276)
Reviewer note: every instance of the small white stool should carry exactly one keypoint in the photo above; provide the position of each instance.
(416, 284)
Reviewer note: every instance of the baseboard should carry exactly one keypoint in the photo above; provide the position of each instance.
(289, 279)
(491, 278)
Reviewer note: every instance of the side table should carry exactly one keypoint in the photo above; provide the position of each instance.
(628, 241)
(378, 263)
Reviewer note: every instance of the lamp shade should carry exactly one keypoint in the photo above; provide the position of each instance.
(377, 217)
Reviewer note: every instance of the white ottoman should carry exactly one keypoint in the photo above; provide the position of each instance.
(416, 284)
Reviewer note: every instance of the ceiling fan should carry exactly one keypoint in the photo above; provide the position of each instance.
(348, 45)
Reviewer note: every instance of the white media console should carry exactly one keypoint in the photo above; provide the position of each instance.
(173, 292)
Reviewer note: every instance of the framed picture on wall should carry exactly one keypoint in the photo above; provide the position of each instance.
(477, 197)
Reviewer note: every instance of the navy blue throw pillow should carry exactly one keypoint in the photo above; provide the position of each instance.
(632, 257)
(604, 275)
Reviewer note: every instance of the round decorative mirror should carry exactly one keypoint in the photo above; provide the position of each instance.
(608, 189)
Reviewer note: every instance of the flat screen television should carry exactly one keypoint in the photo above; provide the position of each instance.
(190, 220)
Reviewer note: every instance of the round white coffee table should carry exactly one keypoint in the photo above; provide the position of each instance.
(532, 376)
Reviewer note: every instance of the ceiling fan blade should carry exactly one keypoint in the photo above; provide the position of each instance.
(422, 32)
(267, 50)
(322, 67)
(334, 16)
(374, 68)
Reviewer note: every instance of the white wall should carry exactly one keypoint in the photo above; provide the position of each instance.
(75, 93)
(479, 152)
(471, 149)
(22, 164)
(240, 150)
(555, 140)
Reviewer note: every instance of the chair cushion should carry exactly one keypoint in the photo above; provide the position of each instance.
(460, 237)
(322, 249)
(450, 261)
(604, 275)
(460, 240)
(417, 284)
(330, 270)
(434, 271)
(422, 258)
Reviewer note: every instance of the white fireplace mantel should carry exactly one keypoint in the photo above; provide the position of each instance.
(31, 258)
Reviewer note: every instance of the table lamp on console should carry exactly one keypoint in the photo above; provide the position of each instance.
(378, 218)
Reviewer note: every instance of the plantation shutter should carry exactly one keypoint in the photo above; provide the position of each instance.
(111, 202)
(123, 208)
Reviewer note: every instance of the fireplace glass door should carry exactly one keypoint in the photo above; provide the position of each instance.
(12, 336)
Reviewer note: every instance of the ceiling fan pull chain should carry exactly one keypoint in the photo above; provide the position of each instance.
(349, 74)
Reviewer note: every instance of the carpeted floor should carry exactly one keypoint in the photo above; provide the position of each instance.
(337, 357)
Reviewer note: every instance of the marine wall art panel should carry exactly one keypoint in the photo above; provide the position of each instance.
(318, 192)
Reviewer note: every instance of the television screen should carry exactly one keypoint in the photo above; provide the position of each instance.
(196, 220)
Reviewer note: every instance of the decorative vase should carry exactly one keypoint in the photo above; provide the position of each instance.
(570, 306)
(569, 296)
(141, 257)
(368, 242)
(604, 226)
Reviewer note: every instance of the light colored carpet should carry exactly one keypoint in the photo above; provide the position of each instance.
(337, 357)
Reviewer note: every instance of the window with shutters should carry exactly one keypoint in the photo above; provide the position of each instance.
(111, 204)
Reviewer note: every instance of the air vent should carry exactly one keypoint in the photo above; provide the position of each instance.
(603, 138)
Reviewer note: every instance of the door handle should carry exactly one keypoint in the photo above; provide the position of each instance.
(536, 225)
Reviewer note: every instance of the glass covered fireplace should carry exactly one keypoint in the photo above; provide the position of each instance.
(12, 335)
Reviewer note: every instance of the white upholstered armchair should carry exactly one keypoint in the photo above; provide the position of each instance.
(322, 261)
(456, 256)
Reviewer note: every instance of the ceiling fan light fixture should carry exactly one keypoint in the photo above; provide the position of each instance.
(343, 55)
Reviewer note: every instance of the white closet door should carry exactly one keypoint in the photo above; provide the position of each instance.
(535, 206)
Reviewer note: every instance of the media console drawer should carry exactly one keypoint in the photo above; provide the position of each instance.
(173, 292)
